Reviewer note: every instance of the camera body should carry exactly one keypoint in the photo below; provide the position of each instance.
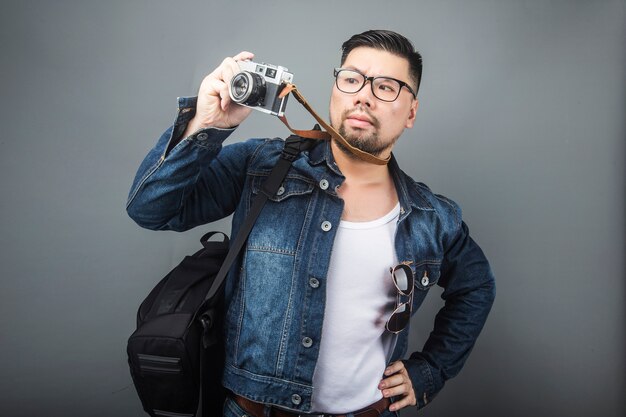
(258, 85)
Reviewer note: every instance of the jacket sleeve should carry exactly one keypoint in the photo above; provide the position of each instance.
(185, 183)
(469, 292)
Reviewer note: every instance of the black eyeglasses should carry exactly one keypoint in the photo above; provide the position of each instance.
(403, 279)
(384, 88)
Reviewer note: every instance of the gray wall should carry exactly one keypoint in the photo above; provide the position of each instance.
(521, 122)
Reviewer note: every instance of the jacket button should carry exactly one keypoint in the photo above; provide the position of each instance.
(202, 136)
(280, 191)
(307, 342)
(425, 280)
(296, 399)
(324, 184)
(314, 282)
(326, 226)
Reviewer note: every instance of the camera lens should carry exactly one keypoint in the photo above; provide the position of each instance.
(247, 88)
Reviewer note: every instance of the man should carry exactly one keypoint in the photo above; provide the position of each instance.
(316, 316)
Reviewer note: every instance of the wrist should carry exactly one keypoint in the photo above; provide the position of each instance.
(193, 126)
(422, 379)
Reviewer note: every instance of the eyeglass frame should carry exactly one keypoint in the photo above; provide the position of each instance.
(408, 293)
(371, 79)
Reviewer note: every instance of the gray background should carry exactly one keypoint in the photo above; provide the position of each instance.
(521, 122)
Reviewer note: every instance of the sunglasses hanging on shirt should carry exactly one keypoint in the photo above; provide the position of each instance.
(403, 280)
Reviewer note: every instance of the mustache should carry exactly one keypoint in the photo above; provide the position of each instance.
(360, 110)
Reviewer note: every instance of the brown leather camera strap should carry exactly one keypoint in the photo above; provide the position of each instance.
(330, 131)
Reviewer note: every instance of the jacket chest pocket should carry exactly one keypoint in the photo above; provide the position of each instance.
(427, 274)
(290, 187)
(280, 223)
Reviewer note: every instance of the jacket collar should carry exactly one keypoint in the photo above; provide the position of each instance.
(409, 195)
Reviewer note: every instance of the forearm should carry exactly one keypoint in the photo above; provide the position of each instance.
(178, 183)
(164, 186)
(456, 329)
(469, 292)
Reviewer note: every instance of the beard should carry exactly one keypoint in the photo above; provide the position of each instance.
(365, 141)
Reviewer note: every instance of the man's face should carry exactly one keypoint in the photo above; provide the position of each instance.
(362, 119)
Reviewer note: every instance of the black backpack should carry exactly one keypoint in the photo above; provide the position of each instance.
(176, 355)
(165, 353)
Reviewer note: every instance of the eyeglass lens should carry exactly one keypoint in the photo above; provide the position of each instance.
(386, 89)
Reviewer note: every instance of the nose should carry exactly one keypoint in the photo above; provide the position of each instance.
(365, 96)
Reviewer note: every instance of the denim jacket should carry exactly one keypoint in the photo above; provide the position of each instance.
(275, 292)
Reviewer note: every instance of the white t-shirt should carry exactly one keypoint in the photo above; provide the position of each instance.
(360, 296)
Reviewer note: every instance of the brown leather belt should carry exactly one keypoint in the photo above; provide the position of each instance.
(257, 409)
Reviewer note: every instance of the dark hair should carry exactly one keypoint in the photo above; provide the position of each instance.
(389, 41)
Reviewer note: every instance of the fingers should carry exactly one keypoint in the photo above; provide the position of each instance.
(214, 106)
(229, 66)
(396, 390)
(244, 56)
(398, 384)
(395, 385)
(400, 404)
(224, 97)
(215, 87)
(224, 73)
(395, 367)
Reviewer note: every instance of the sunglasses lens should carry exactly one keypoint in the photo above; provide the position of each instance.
(399, 319)
(403, 279)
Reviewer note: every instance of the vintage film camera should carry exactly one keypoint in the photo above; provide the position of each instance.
(258, 86)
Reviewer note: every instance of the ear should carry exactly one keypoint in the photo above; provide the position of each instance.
(412, 112)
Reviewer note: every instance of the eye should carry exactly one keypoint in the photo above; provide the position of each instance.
(387, 86)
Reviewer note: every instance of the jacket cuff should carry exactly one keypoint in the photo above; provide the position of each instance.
(210, 138)
(424, 384)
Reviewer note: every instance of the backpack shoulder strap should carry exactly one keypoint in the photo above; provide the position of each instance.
(293, 146)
